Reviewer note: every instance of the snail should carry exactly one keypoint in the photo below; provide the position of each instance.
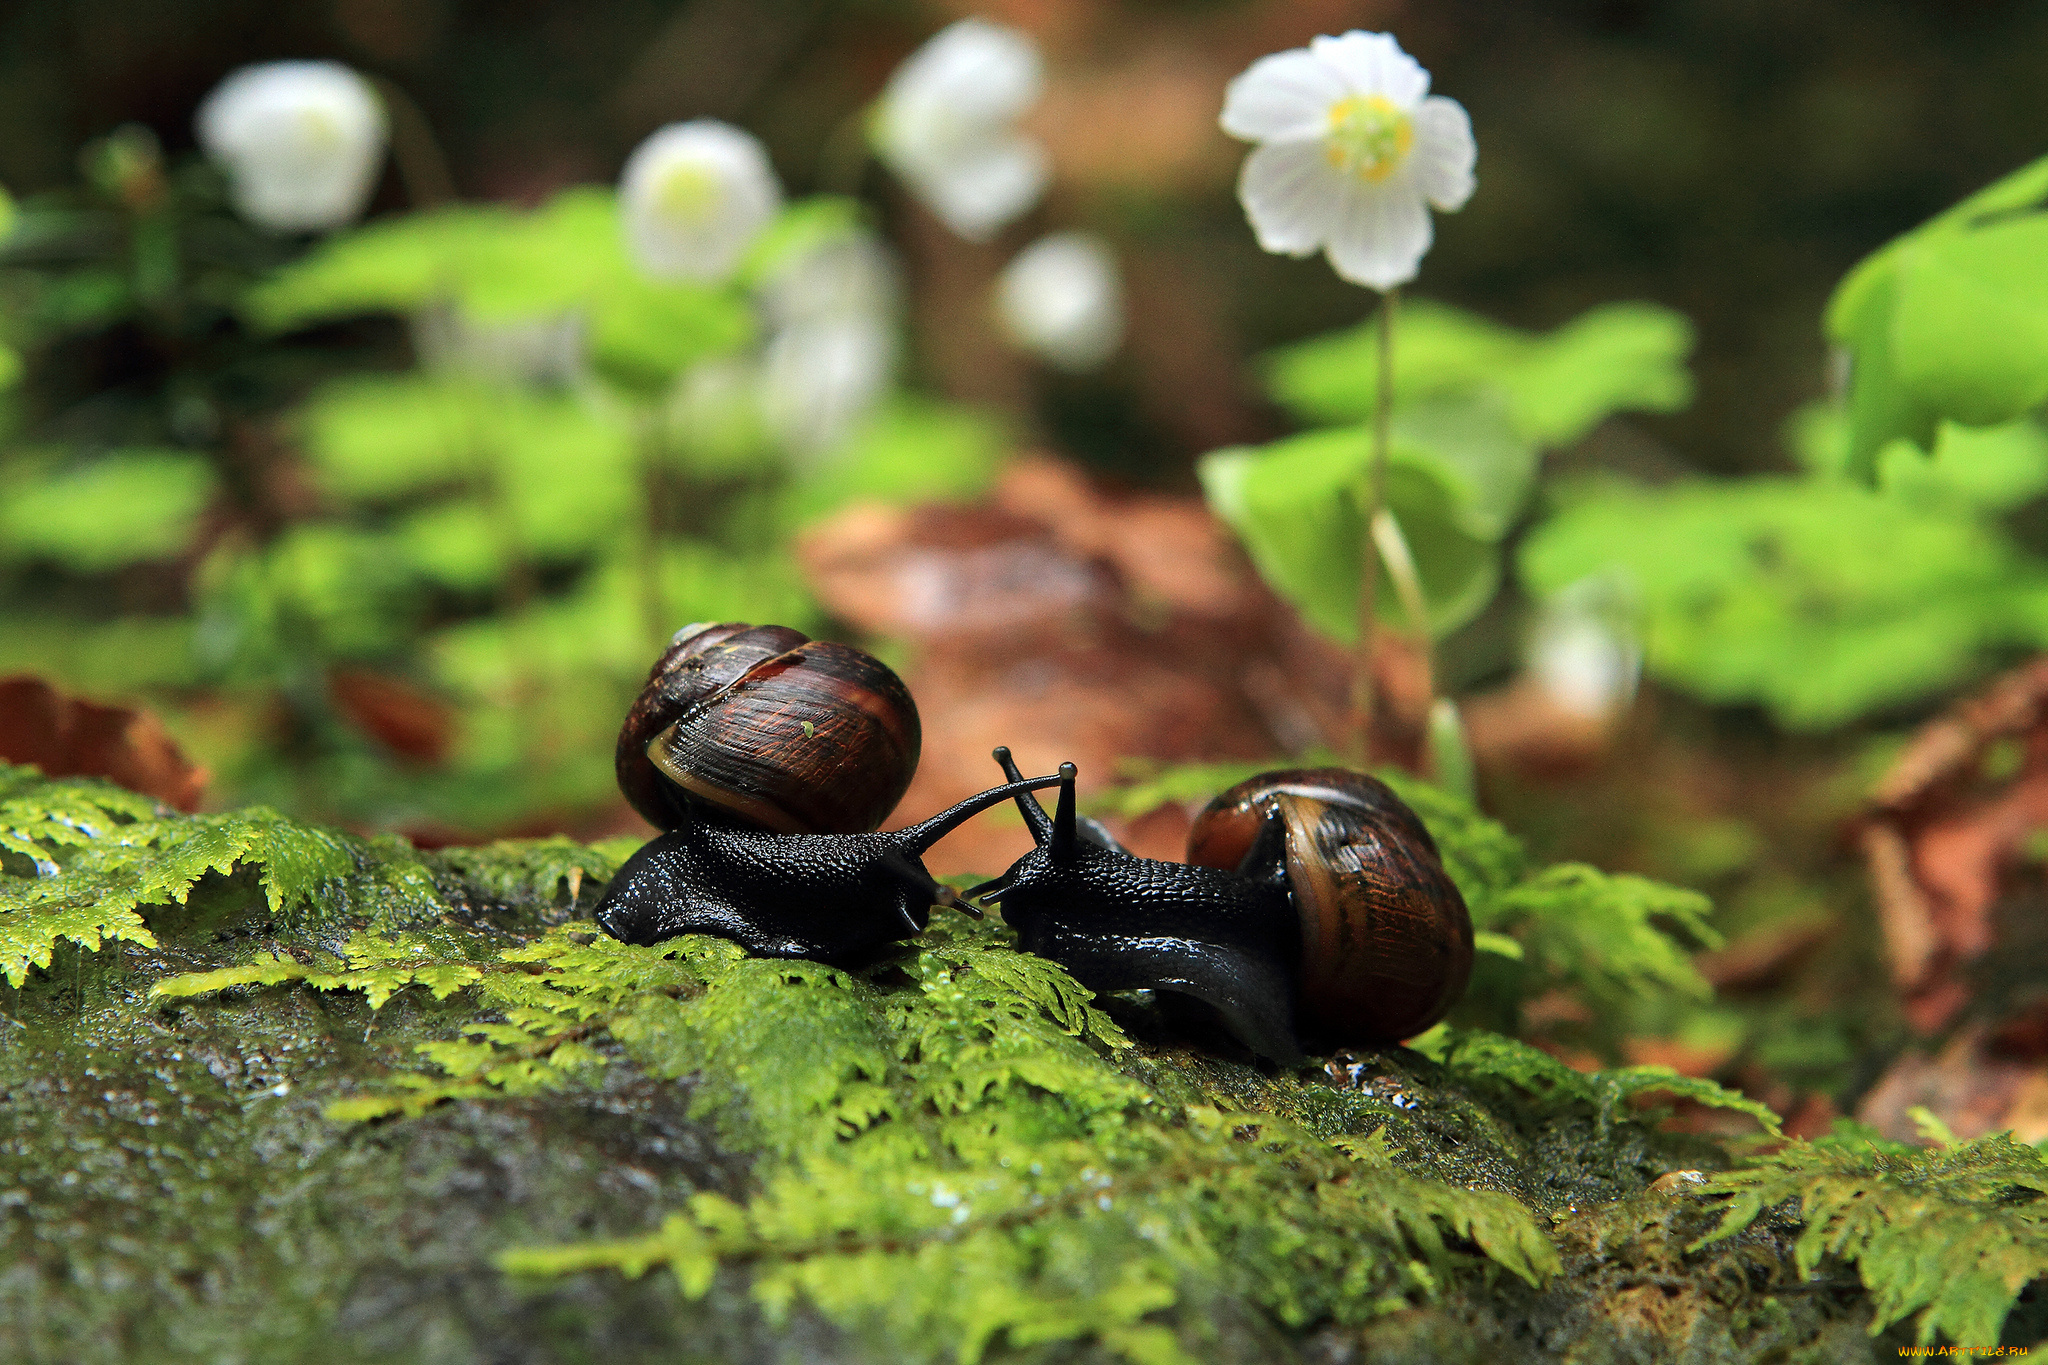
(768, 759)
(1313, 906)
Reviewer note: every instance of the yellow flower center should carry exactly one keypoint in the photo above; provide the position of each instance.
(687, 194)
(319, 130)
(1369, 136)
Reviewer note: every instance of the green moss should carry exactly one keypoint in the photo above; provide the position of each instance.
(1951, 1232)
(411, 1108)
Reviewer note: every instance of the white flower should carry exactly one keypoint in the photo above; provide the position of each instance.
(544, 350)
(948, 125)
(1061, 298)
(302, 143)
(1582, 650)
(847, 274)
(819, 381)
(1352, 146)
(832, 349)
(694, 196)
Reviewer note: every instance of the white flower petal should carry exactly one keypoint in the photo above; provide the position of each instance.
(1382, 234)
(1444, 153)
(978, 72)
(818, 381)
(947, 125)
(694, 196)
(1061, 298)
(847, 275)
(1292, 195)
(1286, 94)
(1374, 64)
(302, 143)
(530, 350)
(986, 187)
(1584, 666)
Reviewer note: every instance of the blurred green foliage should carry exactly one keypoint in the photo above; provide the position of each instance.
(1891, 568)
(504, 530)
(1475, 406)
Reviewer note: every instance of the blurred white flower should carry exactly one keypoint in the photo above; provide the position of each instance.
(947, 124)
(694, 196)
(1583, 651)
(832, 346)
(1351, 149)
(1062, 299)
(546, 350)
(819, 381)
(302, 143)
(848, 274)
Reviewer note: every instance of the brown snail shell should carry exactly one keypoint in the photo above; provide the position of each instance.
(1386, 941)
(766, 727)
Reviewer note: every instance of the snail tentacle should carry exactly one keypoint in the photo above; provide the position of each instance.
(1313, 905)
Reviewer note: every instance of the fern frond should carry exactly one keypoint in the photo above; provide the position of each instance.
(1950, 1233)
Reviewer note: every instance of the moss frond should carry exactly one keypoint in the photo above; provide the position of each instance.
(1950, 1232)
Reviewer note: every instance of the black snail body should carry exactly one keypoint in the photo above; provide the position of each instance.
(768, 759)
(1313, 907)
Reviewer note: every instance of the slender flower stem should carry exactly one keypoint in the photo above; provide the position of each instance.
(653, 609)
(1369, 563)
(1448, 758)
(1400, 562)
(422, 165)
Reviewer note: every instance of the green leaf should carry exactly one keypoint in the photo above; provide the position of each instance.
(1818, 598)
(194, 985)
(394, 265)
(1296, 503)
(1858, 295)
(1610, 1094)
(803, 225)
(1334, 379)
(123, 508)
(97, 854)
(384, 436)
(551, 475)
(1616, 358)
(912, 449)
(644, 334)
(107, 657)
(1473, 451)
(378, 970)
(1943, 321)
(1994, 468)
(498, 266)
(458, 543)
(1969, 326)
(319, 589)
(1620, 357)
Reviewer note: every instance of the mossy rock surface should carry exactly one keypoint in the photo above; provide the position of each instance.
(620, 1154)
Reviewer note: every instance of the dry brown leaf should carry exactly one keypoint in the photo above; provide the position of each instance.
(1967, 1086)
(70, 737)
(403, 718)
(1946, 839)
(1075, 624)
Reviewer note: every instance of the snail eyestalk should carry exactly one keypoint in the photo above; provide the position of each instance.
(1312, 907)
